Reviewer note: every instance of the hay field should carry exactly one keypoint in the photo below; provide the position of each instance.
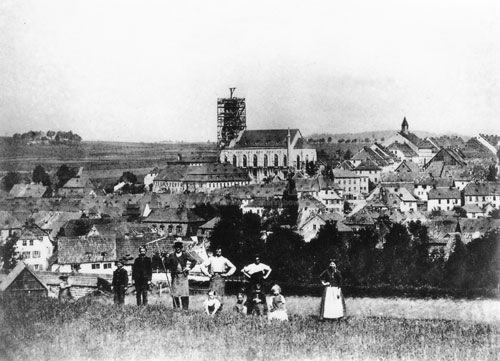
(376, 329)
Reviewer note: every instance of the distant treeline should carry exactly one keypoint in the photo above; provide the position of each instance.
(49, 137)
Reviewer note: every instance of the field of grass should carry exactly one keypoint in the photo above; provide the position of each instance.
(94, 329)
(96, 156)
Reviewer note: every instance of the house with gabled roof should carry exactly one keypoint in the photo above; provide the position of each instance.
(92, 254)
(474, 211)
(377, 154)
(482, 193)
(179, 178)
(206, 229)
(27, 191)
(78, 186)
(423, 184)
(353, 185)
(407, 166)
(53, 221)
(370, 169)
(179, 222)
(23, 281)
(34, 247)
(363, 219)
(309, 227)
(444, 199)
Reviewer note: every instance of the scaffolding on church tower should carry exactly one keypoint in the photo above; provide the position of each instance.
(231, 118)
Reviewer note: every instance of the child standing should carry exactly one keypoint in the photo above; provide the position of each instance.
(212, 304)
(278, 308)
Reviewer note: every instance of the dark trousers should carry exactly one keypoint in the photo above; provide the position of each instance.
(141, 293)
(119, 296)
(181, 300)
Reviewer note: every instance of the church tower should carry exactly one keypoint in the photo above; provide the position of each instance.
(404, 127)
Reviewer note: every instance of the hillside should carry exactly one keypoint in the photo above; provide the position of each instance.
(99, 155)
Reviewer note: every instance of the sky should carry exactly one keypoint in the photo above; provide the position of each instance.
(153, 70)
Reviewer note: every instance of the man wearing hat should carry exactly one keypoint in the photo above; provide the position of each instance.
(120, 282)
(177, 264)
(142, 272)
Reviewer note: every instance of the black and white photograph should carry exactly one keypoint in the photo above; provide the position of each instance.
(235, 180)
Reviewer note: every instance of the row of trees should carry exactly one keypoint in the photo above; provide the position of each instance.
(40, 175)
(342, 140)
(405, 260)
(50, 136)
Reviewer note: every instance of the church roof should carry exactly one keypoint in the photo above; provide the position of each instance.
(266, 138)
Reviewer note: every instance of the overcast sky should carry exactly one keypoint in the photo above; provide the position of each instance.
(152, 71)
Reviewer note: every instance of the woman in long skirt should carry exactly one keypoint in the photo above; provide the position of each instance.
(332, 302)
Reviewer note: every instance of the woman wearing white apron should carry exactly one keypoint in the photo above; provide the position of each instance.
(332, 302)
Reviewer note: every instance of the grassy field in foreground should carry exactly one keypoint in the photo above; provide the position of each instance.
(90, 329)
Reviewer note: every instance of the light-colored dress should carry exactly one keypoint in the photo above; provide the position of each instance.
(278, 309)
(332, 302)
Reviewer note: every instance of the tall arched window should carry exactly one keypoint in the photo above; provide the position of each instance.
(276, 160)
(298, 162)
(225, 159)
(255, 160)
(284, 161)
(178, 229)
(265, 161)
(234, 161)
(244, 161)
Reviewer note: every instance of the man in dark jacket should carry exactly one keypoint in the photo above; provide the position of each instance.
(120, 283)
(142, 272)
(177, 264)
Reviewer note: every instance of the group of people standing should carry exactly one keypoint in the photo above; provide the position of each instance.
(218, 268)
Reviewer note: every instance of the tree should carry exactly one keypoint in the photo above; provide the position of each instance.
(284, 253)
(396, 255)
(329, 139)
(327, 245)
(64, 174)
(436, 212)
(128, 177)
(364, 258)
(483, 264)
(492, 173)
(290, 203)
(238, 235)
(8, 253)
(460, 212)
(311, 168)
(10, 180)
(347, 207)
(348, 154)
(41, 176)
(495, 214)
(456, 267)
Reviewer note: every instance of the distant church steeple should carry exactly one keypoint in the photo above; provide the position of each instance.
(404, 126)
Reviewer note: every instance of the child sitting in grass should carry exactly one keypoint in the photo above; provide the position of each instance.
(277, 310)
(241, 306)
(259, 304)
(212, 304)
